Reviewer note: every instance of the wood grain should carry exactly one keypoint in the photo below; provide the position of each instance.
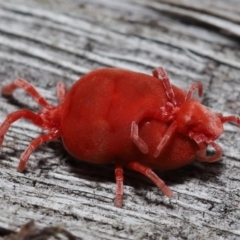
(46, 41)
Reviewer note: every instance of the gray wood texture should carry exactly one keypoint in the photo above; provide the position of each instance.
(45, 41)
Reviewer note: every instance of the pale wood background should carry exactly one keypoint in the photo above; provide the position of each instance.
(45, 41)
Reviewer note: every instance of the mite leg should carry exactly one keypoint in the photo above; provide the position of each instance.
(201, 156)
(195, 86)
(29, 88)
(61, 92)
(232, 119)
(158, 115)
(119, 185)
(33, 145)
(13, 117)
(161, 74)
(202, 143)
(165, 139)
(150, 174)
(142, 146)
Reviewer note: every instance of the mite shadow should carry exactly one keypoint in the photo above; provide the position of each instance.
(204, 172)
(13, 100)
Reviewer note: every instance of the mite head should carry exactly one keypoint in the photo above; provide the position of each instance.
(197, 121)
(192, 119)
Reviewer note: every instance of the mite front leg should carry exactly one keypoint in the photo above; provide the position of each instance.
(233, 119)
(202, 143)
(201, 156)
(165, 139)
(161, 74)
(29, 88)
(142, 146)
(151, 175)
(119, 185)
(195, 86)
(134, 135)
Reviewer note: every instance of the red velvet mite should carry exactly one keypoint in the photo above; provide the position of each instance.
(130, 119)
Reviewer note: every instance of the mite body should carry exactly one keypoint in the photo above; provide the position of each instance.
(130, 119)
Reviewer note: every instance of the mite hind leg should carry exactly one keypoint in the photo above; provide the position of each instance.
(202, 143)
(29, 88)
(119, 185)
(201, 155)
(33, 145)
(13, 117)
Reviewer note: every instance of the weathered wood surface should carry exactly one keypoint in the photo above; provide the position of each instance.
(46, 41)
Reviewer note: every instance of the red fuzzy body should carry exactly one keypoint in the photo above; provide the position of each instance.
(97, 115)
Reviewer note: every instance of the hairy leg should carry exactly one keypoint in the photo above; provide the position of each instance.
(134, 135)
(142, 146)
(33, 145)
(29, 88)
(151, 175)
(232, 119)
(13, 117)
(161, 74)
(195, 86)
(202, 143)
(201, 156)
(119, 185)
(61, 92)
(165, 113)
(165, 139)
